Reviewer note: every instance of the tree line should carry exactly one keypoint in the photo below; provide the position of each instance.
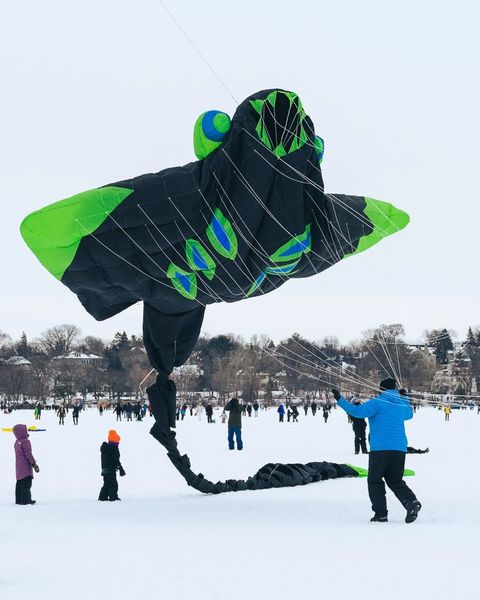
(226, 364)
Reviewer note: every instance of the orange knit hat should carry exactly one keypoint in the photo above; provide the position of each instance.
(113, 436)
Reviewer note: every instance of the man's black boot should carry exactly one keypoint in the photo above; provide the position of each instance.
(379, 519)
(412, 511)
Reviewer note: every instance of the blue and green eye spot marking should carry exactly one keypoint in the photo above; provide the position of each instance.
(184, 282)
(199, 259)
(294, 248)
(221, 235)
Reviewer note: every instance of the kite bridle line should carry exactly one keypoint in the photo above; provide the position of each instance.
(330, 360)
(163, 283)
(210, 291)
(360, 216)
(350, 377)
(257, 250)
(197, 50)
(423, 395)
(356, 214)
(266, 209)
(249, 187)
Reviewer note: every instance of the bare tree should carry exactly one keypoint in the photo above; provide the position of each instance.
(383, 352)
(6, 346)
(68, 378)
(92, 345)
(40, 378)
(59, 340)
(223, 374)
(186, 378)
(419, 370)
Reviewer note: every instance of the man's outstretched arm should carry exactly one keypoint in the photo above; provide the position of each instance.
(367, 409)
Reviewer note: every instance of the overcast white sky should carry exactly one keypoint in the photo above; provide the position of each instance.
(102, 90)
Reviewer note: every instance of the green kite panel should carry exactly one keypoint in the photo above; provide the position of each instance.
(54, 233)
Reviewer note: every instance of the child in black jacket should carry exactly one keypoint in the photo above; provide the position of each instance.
(110, 465)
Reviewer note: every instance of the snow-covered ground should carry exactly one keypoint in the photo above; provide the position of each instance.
(165, 540)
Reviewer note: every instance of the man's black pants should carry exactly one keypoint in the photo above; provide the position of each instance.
(23, 490)
(360, 441)
(109, 489)
(387, 465)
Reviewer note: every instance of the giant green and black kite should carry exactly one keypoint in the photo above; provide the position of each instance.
(246, 217)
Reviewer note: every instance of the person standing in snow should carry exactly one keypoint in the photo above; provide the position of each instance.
(25, 464)
(209, 413)
(359, 429)
(61, 414)
(281, 413)
(128, 410)
(326, 413)
(314, 408)
(118, 411)
(75, 413)
(256, 406)
(447, 410)
(249, 410)
(110, 456)
(387, 414)
(234, 424)
(295, 414)
(137, 410)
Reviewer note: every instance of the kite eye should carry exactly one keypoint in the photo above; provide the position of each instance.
(210, 129)
(319, 148)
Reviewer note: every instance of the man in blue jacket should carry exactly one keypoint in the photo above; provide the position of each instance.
(386, 414)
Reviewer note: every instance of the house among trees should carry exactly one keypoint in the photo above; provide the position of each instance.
(79, 358)
(18, 361)
(455, 378)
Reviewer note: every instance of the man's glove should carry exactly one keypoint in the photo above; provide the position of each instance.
(122, 472)
(336, 394)
(36, 468)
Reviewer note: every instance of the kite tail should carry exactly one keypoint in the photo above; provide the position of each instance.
(162, 397)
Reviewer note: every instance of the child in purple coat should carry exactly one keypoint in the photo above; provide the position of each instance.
(25, 464)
